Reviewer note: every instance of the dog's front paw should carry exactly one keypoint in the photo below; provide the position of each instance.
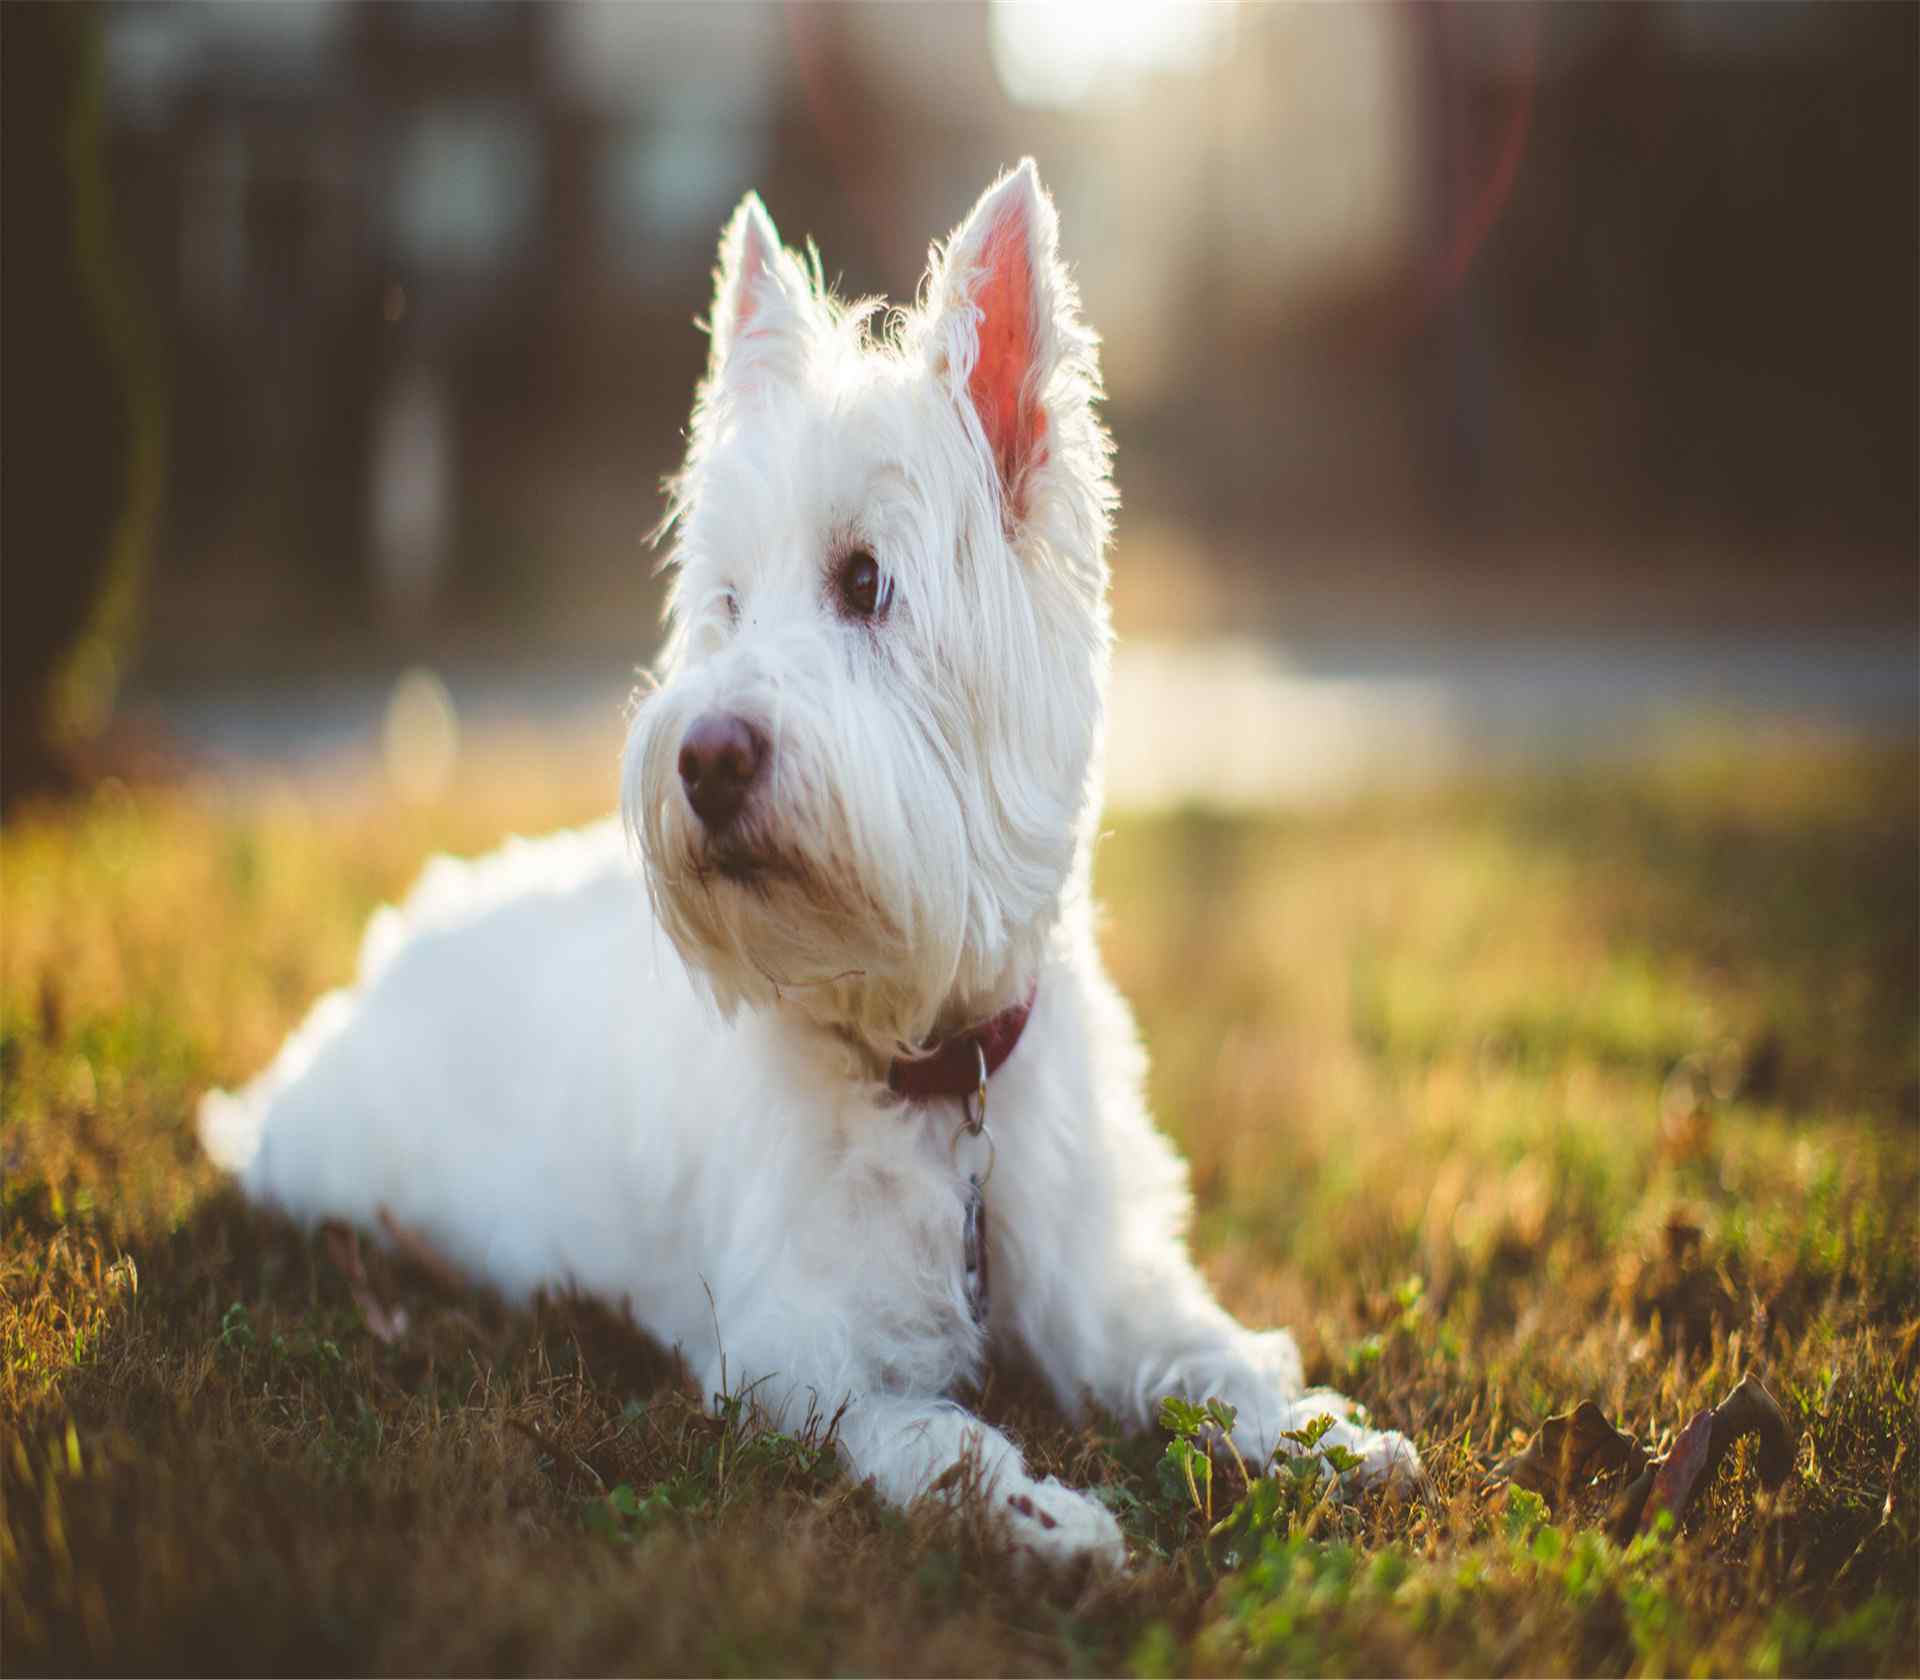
(1389, 1462)
(1386, 1459)
(1052, 1523)
(1377, 1458)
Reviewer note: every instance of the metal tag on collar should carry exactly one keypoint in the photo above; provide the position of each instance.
(973, 1219)
(973, 1123)
(973, 1253)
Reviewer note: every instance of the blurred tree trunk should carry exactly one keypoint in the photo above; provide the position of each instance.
(81, 423)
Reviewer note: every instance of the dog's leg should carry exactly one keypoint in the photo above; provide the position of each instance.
(1156, 1331)
(1139, 1332)
(1258, 1374)
(910, 1447)
(1106, 1298)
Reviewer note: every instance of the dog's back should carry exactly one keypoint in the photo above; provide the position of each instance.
(411, 1093)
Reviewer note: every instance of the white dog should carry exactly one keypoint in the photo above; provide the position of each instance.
(841, 1092)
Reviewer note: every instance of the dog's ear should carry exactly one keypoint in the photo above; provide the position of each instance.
(761, 301)
(1002, 312)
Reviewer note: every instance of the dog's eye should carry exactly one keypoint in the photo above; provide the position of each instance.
(733, 607)
(864, 589)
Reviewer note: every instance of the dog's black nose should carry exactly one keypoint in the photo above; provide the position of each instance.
(720, 756)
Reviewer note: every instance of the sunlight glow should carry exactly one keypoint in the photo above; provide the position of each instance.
(1065, 52)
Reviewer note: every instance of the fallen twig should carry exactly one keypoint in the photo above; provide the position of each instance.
(547, 1444)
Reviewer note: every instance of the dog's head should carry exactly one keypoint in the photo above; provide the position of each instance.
(865, 781)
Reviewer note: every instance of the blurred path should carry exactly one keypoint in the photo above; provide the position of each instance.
(1224, 722)
(1245, 723)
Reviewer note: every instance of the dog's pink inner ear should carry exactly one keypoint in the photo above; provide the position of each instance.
(1002, 384)
(756, 257)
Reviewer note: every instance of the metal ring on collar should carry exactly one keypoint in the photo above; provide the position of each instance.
(973, 1120)
(982, 1130)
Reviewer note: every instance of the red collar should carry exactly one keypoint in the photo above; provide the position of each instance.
(950, 1067)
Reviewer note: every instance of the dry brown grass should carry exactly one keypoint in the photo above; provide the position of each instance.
(1505, 1097)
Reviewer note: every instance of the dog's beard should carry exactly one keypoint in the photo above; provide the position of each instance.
(747, 901)
(837, 889)
(748, 856)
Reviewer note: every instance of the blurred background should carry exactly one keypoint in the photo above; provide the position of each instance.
(1489, 381)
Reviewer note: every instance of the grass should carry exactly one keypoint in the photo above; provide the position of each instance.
(1503, 1098)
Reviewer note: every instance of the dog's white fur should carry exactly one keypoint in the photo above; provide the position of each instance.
(673, 1095)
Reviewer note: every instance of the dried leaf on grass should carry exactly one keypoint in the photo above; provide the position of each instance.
(411, 1246)
(1573, 1451)
(388, 1324)
(1568, 1453)
(1675, 1475)
(1708, 1437)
